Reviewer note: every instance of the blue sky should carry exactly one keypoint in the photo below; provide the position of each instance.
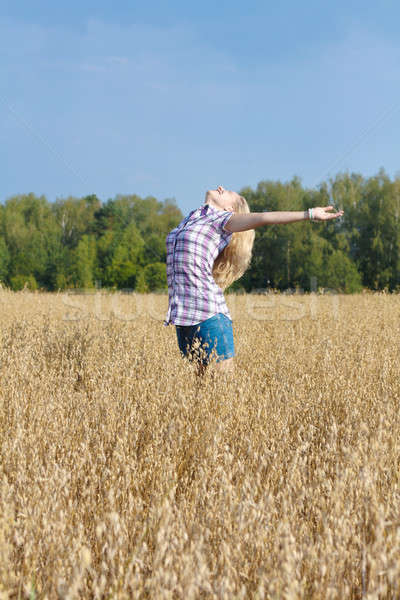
(168, 99)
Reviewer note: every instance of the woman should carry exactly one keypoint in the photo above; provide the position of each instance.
(206, 252)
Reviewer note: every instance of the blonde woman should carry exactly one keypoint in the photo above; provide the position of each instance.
(206, 252)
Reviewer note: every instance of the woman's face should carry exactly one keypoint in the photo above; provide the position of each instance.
(221, 198)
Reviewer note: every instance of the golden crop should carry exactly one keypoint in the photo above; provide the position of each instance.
(125, 476)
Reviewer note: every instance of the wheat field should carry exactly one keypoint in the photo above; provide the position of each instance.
(123, 475)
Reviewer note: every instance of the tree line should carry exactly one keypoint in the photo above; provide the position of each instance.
(120, 244)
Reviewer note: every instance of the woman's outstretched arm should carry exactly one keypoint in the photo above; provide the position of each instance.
(243, 222)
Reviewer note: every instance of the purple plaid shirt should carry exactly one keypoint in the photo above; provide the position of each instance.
(192, 247)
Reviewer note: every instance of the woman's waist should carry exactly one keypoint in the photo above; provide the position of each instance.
(186, 285)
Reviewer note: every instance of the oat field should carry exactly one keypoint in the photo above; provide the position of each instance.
(122, 475)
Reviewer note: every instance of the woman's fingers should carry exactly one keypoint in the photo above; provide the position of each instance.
(338, 214)
(322, 214)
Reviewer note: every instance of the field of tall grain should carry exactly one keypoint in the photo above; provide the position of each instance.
(124, 476)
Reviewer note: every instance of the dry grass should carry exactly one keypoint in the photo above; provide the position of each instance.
(124, 477)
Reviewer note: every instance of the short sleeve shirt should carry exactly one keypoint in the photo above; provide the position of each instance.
(192, 247)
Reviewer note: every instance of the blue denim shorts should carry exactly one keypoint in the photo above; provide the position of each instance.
(203, 341)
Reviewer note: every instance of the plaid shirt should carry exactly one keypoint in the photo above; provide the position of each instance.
(192, 247)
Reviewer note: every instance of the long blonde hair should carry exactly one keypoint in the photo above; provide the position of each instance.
(234, 259)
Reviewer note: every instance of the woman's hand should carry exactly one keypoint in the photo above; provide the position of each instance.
(320, 213)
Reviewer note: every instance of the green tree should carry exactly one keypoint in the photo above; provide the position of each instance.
(140, 284)
(75, 217)
(122, 257)
(310, 252)
(4, 260)
(28, 225)
(152, 218)
(155, 276)
(84, 262)
(284, 255)
(341, 274)
(378, 243)
(19, 282)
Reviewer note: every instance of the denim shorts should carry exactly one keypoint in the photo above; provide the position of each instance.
(203, 341)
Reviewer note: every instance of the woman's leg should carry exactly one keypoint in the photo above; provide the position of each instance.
(217, 334)
(225, 363)
(210, 338)
(201, 368)
(190, 347)
(226, 366)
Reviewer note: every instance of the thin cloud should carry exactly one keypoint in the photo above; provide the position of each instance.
(119, 60)
(94, 68)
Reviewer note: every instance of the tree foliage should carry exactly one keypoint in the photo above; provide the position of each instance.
(120, 244)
